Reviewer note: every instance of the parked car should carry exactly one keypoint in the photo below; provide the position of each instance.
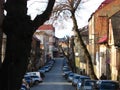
(42, 70)
(65, 62)
(29, 80)
(81, 81)
(87, 85)
(25, 85)
(107, 85)
(51, 62)
(36, 77)
(70, 77)
(66, 71)
(47, 68)
(65, 67)
(75, 79)
(66, 74)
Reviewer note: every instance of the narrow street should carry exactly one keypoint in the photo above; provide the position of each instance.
(54, 79)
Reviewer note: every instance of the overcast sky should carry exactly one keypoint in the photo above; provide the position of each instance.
(64, 27)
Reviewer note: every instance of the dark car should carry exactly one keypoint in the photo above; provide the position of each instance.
(87, 85)
(70, 77)
(107, 85)
(81, 81)
(65, 68)
(67, 73)
(42, 70)
(28, 80)
(75, 79)
(47, 68)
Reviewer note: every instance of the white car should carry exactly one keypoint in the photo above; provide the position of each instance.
(36, 77)
(33, 73)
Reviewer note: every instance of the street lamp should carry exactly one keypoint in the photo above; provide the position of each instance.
(76, 54)
(77, 61)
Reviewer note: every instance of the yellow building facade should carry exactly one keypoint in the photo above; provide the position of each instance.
(104, 39)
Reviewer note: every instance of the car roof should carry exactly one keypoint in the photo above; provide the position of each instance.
(108, 81)
(34, 76)
(89, 80)
(84, 76)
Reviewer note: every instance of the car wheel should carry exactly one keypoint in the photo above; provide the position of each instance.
(72, 84)
(36, 82)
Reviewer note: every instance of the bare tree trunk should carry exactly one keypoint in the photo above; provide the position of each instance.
(19, 30)
(73, 55)
(72, 7)
(1, 35)
(16, 61)
(90, 64)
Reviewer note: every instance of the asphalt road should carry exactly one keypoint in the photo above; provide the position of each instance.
(54, 80)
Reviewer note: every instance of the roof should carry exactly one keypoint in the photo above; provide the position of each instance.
(104, 3)
(46, 27)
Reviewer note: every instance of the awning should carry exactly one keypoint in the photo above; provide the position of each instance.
(103, 39)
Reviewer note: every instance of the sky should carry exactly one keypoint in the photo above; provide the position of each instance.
(64, 27)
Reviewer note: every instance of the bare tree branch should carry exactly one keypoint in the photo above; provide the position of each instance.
(77, 4)
(40, 19)
(72, 6)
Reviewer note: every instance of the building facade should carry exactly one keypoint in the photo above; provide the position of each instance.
(104, 39)
(46, 33)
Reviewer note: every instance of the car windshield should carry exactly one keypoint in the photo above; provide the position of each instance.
(34, 76)
(71, 74)
(89, 83)
(109, 85)
(77, 77)
(81, 79)
(27, 78)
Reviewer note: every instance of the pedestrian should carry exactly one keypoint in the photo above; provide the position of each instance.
(103, 77)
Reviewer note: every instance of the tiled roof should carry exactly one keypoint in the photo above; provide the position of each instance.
(104, 3)
(46, 27)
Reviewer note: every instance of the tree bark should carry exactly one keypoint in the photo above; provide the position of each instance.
(1, 35)
(19, 30)
(90, 64)
(73, 55)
